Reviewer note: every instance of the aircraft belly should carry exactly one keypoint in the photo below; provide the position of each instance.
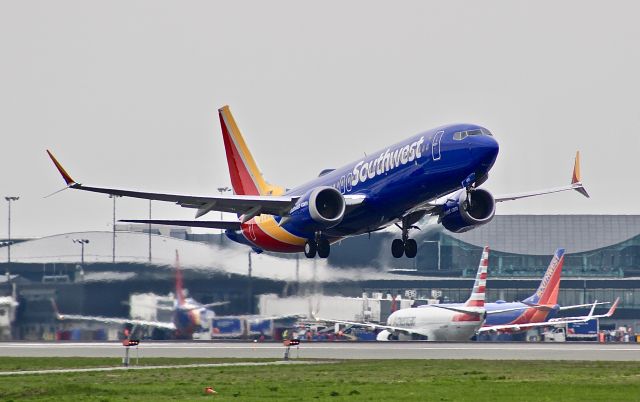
(455, 332)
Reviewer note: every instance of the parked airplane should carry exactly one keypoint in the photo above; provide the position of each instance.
(437, 172)
(559, 321)
(537, 308)
(436, 322)
(187, 317)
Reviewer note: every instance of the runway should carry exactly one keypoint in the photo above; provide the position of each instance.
(336, 350)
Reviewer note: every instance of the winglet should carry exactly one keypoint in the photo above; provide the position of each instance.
(55, 309)
(593, 307)
(613, 308)
(576, 179)
(67, 178)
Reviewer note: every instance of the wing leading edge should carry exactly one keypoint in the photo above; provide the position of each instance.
(248, 206)
(240, 204)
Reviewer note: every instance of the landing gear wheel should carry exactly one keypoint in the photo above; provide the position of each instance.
(410, 248)
(310, 249)
(397, 248)
(324, 248)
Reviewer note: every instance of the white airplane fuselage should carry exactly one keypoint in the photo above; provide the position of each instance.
(436, 324)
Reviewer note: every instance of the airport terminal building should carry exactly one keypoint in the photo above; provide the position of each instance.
(602, 262)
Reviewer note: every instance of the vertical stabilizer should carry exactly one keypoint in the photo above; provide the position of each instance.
(246, 178)
(547, 292)
(478, 294)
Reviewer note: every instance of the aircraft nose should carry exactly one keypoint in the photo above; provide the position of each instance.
(485, 150)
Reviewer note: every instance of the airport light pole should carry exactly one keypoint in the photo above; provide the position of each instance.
(439, 252)
(222, 190)
(297, 273)
(82, 242)
(6, 272)
(149, 231)
(114, 226)
(9, 200)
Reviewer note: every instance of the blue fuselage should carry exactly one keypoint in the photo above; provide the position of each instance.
(524, 315)
(404, 175)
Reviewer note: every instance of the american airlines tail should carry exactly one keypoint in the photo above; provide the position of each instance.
(478, 294)
(246, 178)
(548, 290)
(179, 285)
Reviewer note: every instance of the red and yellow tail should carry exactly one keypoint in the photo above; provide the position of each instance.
(246, 178)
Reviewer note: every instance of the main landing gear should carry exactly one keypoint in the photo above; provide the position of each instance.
(406, 246)
(319, 245)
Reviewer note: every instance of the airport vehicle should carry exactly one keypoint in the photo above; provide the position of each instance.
(436, 322)
(573, 331)
(540, 307)
(187, 317)
(437, 172)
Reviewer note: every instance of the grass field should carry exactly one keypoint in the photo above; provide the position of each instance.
(428, 380)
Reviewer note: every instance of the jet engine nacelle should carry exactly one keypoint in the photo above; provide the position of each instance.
(384, 336)
(320, 208)
(464, 212)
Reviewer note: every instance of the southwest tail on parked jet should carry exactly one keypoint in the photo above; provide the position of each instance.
(437, 172)
(538, 308)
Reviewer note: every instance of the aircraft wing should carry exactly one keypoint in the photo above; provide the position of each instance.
(550, 323)
(215, 304)
(553, 321)
(463, 310)
(208, 305)
(576, 184)
(588, 317)
(248, 205)
(435, 206)
(233, 225)
(112, 320)
(267, 317)
(513, 327)
(581, 305)
(507, 310)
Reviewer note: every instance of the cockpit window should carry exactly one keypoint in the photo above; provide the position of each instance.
(461, 135)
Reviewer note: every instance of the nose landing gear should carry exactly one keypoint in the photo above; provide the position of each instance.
(406, 246)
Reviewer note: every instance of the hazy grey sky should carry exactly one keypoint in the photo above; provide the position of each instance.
(126, 93)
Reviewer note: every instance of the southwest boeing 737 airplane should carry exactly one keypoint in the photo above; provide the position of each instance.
(437, 172)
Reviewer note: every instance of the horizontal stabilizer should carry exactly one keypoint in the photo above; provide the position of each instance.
(479, 311)
(233, 225)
